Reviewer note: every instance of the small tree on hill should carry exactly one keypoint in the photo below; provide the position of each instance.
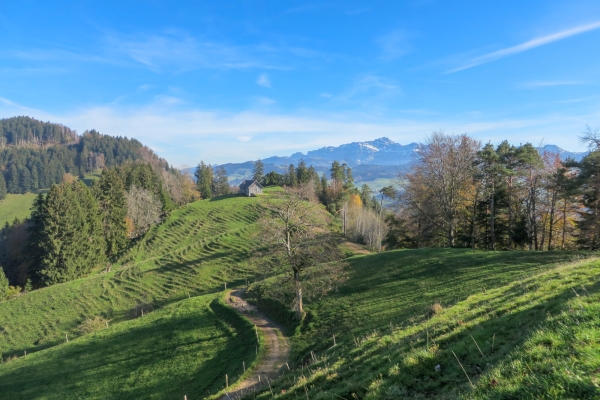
(204, 180)
(143, 210)
(300, 242)
(220, 182)
(259, 171)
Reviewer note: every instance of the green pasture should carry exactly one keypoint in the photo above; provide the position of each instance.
(185, 348)
(389, 338)
(19, 205)
(195, 251)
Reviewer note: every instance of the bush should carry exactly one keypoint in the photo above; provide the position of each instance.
(93, 324)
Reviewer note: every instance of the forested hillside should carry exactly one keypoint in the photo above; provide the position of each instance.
(76, 227)
(37, 154)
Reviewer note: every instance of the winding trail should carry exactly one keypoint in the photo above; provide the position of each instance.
(277, 346)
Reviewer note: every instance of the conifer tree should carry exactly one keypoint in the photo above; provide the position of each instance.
(292, 179)
(13, 180)
(113, 210)
(302, 172)
(3, 190)
(220, 182)
(69, 234)
(258, 172)
(204, 180)
(24, 180)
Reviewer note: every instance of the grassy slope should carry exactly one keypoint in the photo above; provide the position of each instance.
(16, 205)
(195, 251)
(381, 321)
(185, 348)
(19, 205)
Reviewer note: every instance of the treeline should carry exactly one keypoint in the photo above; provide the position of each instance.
(75, 228)
(26, 131)
(28, 168)
(463, 194)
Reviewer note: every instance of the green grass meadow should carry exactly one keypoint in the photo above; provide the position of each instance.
(19, 205)
(195, 251)
(522, 324)
(16, 206)
(505, 325)
(185, 348)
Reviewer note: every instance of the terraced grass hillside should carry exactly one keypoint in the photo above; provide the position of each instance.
(185, 348)
(522, 325)
(194, 252)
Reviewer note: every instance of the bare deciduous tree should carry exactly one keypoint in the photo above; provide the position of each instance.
(439, 185)
(143, 210)
(301, 244)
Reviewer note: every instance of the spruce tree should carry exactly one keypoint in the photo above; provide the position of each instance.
(204, 179)
(258, 172)
(220, 182)
(3, 190)
(13, 179)
(292, 179)
(302, 172)
(70, 242)
(113, 210)
(24, 180)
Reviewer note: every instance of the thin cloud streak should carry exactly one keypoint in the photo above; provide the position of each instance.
(215, 136)
(497, 55)
(533, 85)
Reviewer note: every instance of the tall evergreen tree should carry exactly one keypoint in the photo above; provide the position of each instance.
(13, 179)
(24, 180)
(302, 172)
(3, 190)
(69, 235)
(292, 179)
(204, 178)
(113, 210)
(220, 182)
(258, 172)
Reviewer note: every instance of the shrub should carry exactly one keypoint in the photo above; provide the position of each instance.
(436, 308)
(93, 324)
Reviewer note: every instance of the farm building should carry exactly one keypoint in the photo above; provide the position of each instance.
(250, 188)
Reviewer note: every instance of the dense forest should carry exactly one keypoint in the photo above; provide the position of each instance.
(35, 154)
(75, 228)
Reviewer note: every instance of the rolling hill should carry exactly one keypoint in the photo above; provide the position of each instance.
(520, 323)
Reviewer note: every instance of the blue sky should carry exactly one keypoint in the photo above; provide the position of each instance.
(234, 81)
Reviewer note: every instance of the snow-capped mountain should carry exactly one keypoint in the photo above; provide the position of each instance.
(382, 151)
(564, 154)
(377, 160)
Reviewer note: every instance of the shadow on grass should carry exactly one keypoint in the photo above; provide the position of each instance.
(169, 356)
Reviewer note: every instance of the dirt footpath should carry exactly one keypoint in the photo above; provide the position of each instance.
(276, 344)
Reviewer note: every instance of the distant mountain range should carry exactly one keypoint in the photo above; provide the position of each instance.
(375, 162)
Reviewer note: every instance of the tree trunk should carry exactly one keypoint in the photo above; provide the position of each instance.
(551, 228)
(564, 224)
(510, 215)
(535, 233)
(493, 220)
(299, 309)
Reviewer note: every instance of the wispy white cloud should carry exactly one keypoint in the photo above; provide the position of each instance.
(263, 80)
(393, 45)
(541, 41)
(538, 84)
(185, 135)
(370, 90)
